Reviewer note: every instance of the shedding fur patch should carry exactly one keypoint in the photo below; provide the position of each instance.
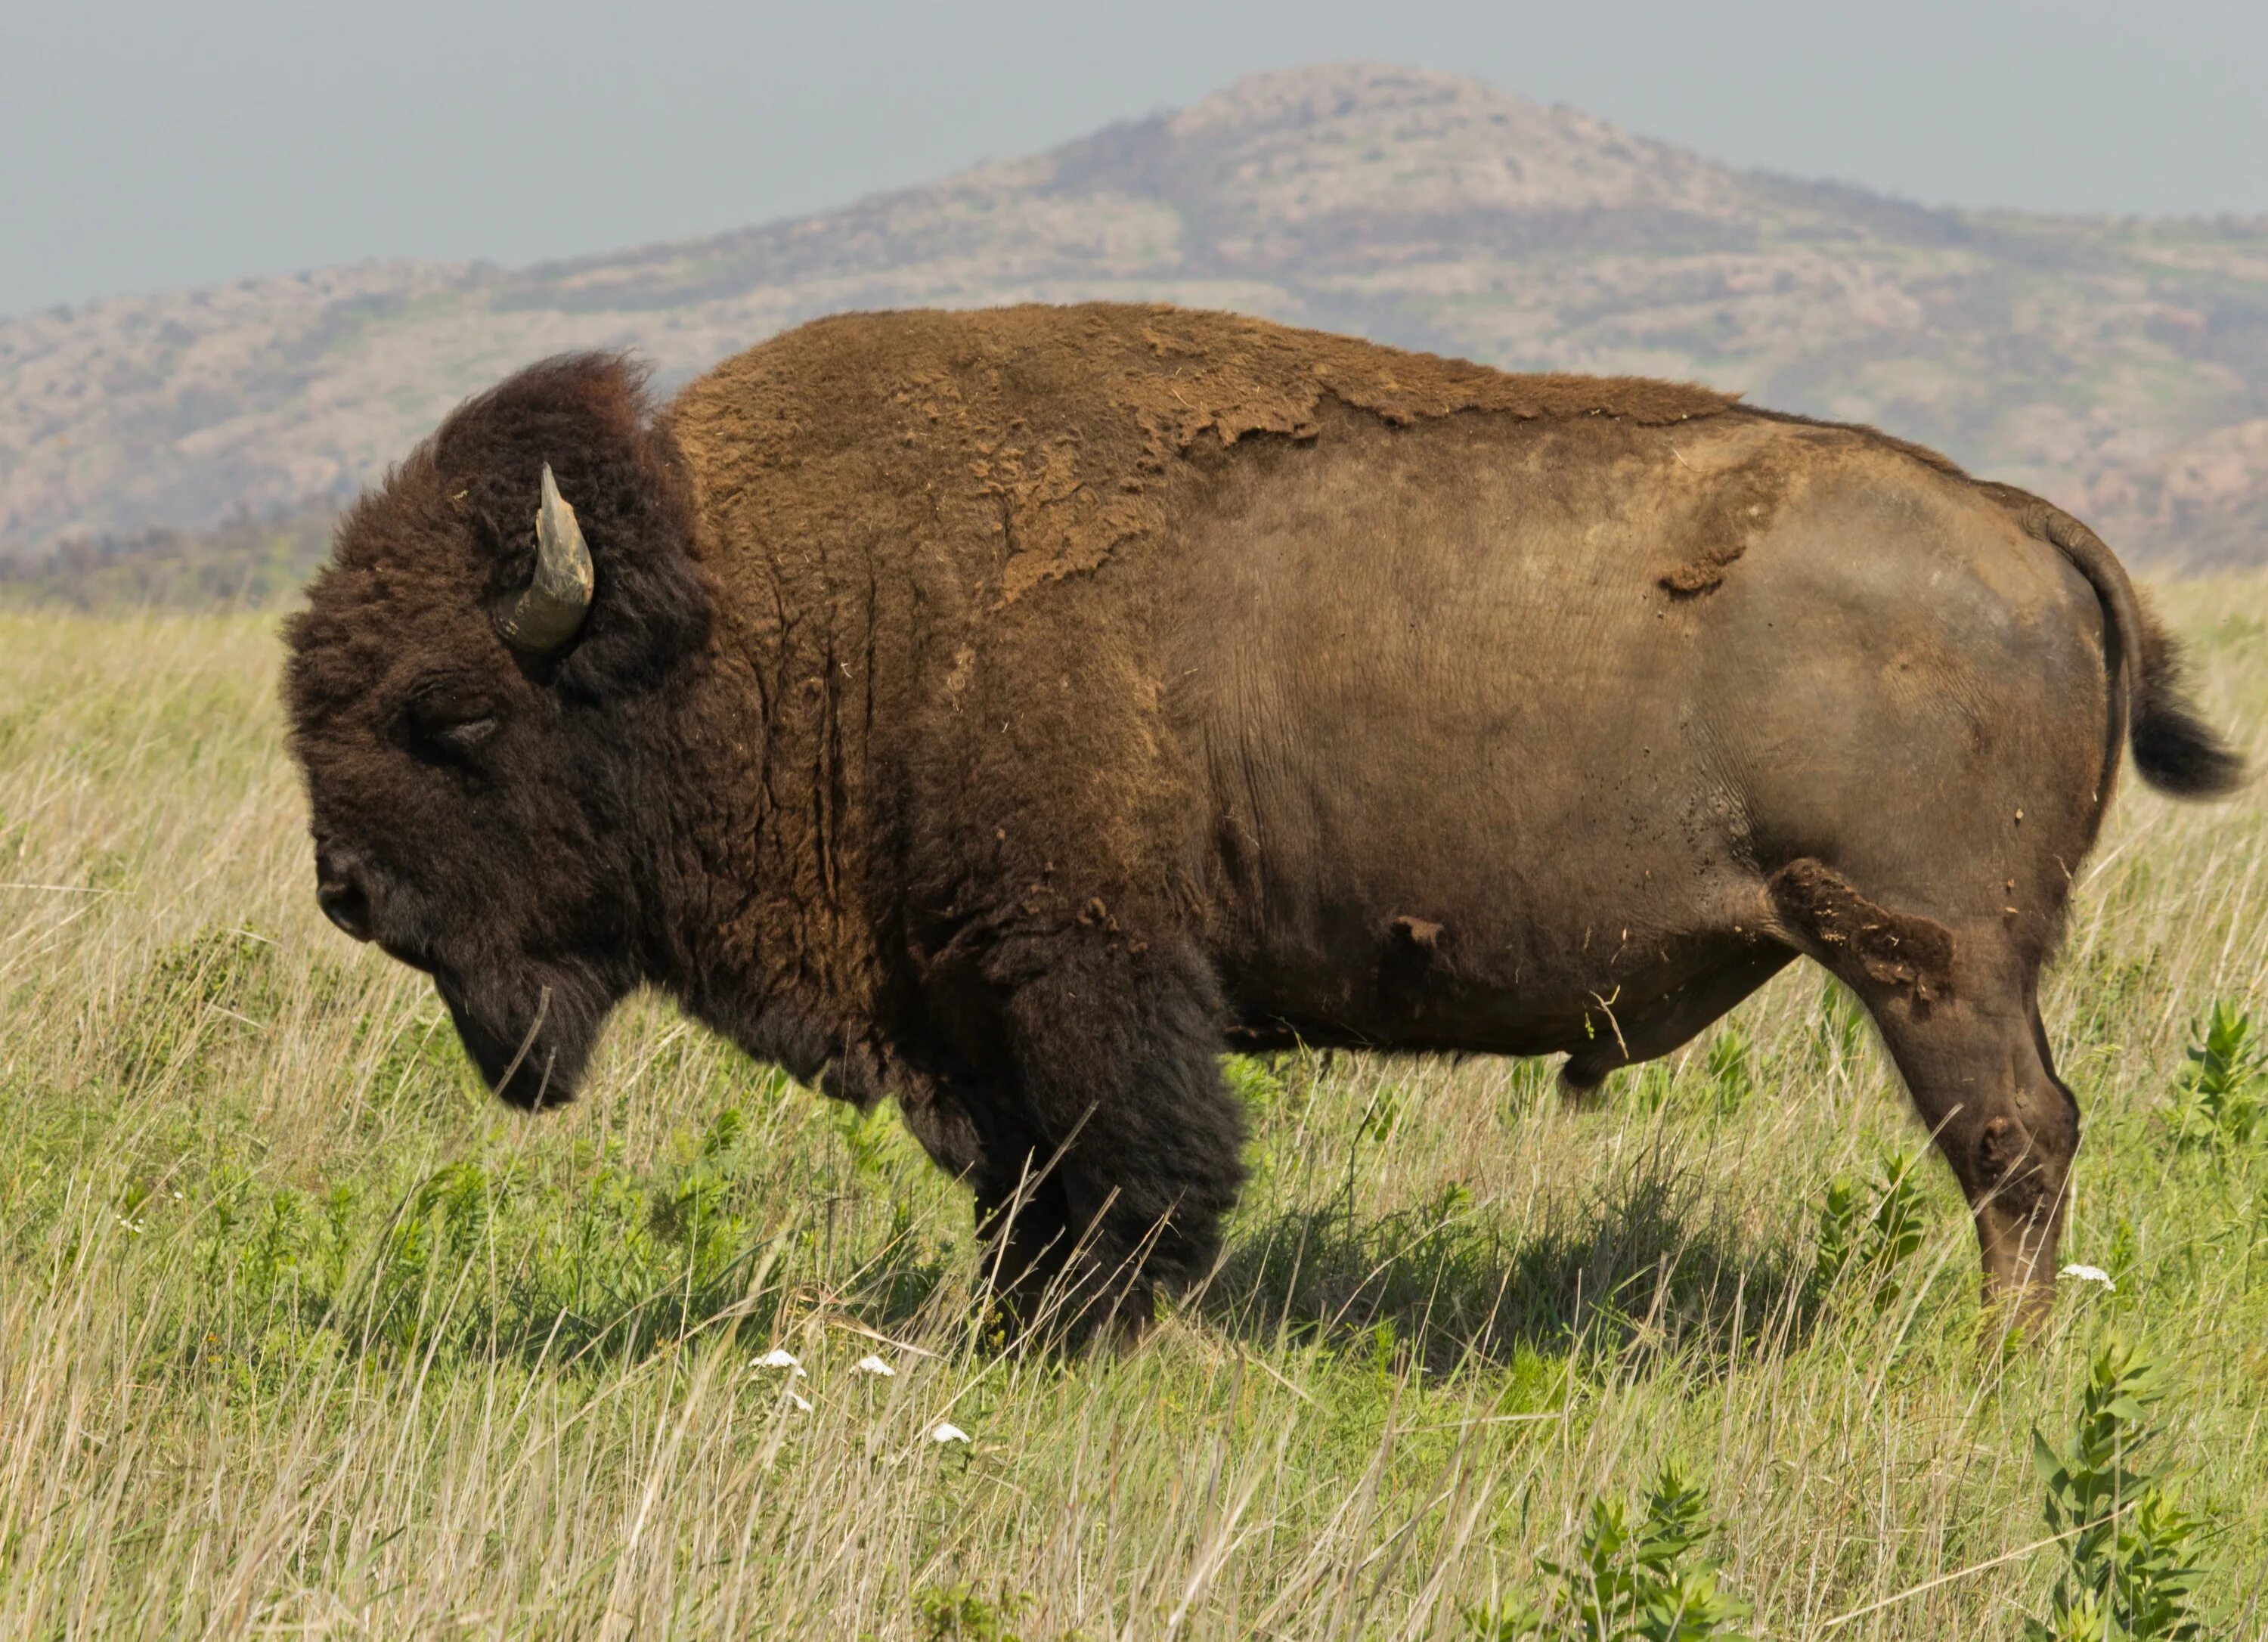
(1421, 933)
(1057, 430)
(1735, 505)
(1913, 954)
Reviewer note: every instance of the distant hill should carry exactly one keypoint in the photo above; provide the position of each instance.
(2119, 366)
(248, 560)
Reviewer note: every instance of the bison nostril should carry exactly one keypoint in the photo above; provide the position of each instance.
(346, 906)
(340, 892)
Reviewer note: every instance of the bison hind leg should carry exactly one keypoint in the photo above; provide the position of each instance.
(1670, 1022)
(1114, 1043)
(1957, 1005)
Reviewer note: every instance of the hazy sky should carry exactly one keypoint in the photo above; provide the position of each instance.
(146, 143)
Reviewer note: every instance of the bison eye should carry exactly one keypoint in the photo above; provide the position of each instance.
(441, 725)
(466, 734)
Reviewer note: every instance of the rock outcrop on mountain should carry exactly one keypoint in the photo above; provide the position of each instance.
(2119, 366)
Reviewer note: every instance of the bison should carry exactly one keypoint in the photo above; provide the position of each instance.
(1004, 711)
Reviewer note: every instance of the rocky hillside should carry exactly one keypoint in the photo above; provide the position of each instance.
(2120, 367)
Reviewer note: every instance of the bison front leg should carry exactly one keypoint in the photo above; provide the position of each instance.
(1114, 1043)
(984, 1140)
(1024, 1225)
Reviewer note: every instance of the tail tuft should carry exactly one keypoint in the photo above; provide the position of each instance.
(2175, 750)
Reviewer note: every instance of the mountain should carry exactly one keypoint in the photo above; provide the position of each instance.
(2120, 367)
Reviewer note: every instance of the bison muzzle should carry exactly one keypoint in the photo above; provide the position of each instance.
(1003, 712)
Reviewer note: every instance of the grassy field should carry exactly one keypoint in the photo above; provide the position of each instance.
(301, 1332)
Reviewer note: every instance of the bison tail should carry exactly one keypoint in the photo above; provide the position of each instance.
(2175, 748)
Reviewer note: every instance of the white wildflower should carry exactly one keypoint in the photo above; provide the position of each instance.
(945, 1431)
(2091, 1274)
(800, 1400)
(779, 1356)
(873, 1365)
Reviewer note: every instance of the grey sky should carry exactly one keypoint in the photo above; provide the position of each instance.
(146, 144)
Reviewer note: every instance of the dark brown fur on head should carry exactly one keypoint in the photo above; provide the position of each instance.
(492, 813)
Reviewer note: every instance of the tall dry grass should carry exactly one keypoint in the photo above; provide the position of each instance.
(299, 1332)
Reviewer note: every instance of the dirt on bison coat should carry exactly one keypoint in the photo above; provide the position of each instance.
(1004, 710)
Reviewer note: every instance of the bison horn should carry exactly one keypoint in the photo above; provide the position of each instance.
(545, 614)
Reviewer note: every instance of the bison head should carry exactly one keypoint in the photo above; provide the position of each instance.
(480, 691)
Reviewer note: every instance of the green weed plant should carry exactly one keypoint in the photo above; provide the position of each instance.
(2128, 1576)
(1630, 1580)
(2221, 1096)
(1869, 1232)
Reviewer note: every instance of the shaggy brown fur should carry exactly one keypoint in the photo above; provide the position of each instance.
(996, 710)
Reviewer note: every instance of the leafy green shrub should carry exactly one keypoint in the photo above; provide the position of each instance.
(1867, 1246)
(2220, 1100)
(1380, 1119)
(1721, 1083)
(217, 990)
(419, 1060)
(535, 1256)
(957, 1613)
(1732, 1069)
(2127, 1577)
(1254, 1081)
(1630, 1582)
(869, 1137)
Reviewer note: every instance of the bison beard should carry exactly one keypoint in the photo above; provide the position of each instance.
(529, 1033)
(997, 712)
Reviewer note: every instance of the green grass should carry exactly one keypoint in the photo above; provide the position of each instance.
(301, 1331)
